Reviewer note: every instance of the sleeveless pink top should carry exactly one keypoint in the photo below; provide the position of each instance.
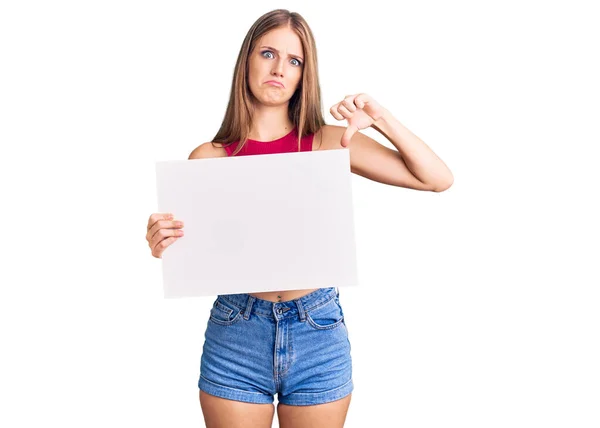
(286, 144)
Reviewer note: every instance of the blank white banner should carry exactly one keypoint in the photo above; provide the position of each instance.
(259, 223)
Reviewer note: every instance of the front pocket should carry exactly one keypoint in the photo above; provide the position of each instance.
(224, 313)
(327, 316)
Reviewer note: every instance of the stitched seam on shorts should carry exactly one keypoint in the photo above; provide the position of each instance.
(253, 311)
(324, 327)
(225, 298)
(290, 353)
(318, 305)
(324, 392)
(234, 389)
(226, 323)
(268, 315)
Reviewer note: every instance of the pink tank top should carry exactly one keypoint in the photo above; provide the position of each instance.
(286, 144)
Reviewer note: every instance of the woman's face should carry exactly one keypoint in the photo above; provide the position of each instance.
(275, 66)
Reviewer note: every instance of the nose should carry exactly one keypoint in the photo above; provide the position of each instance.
(278, 68)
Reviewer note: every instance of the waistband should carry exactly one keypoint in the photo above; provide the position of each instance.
(253, 305)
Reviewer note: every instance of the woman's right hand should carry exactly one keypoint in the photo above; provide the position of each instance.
(163, 230)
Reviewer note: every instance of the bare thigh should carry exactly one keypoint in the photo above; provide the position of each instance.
(328, 415)
(222, 413)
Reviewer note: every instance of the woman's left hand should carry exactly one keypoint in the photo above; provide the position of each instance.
(360, 110)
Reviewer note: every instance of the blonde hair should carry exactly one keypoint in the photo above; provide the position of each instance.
(304, 109)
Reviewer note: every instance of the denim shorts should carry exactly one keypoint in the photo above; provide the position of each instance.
(298, 349)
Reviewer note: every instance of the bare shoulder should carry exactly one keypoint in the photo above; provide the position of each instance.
(208, 150)
(329, 137)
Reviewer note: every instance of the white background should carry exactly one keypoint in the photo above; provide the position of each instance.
(478, 306)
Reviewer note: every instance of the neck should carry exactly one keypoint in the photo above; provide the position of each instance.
(270, 123)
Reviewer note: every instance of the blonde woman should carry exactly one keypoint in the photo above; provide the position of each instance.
(292, 343)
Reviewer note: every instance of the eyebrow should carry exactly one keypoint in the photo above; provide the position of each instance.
(292, 55)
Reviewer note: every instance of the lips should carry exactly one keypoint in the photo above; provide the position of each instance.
(274, 83)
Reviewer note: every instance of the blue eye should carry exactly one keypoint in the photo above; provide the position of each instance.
(267, 52)
(298, 63)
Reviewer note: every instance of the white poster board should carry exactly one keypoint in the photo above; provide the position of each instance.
(259, 223)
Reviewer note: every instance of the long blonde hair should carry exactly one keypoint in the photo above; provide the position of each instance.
(304, 109)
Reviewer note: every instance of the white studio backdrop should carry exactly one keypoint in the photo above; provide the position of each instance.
(477, 307)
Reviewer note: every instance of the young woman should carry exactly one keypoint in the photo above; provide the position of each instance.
(293, 343)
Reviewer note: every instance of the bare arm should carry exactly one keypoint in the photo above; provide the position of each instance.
(412, 165)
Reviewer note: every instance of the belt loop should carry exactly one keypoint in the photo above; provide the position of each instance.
(300, 310)
(251, 300)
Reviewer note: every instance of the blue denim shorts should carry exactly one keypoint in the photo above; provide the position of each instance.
(298, 349)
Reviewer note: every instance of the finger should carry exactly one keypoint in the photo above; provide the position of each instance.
(349, 104)
(162, 225)
(158, 216)
(165, 234)
(161, 246)
(361, 100)
(350, 131)
(163, 229)
(334, 112)
(345, 112)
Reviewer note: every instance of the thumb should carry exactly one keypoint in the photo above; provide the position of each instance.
(350, 131)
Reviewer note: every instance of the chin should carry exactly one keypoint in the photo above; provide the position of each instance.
(270, 101)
